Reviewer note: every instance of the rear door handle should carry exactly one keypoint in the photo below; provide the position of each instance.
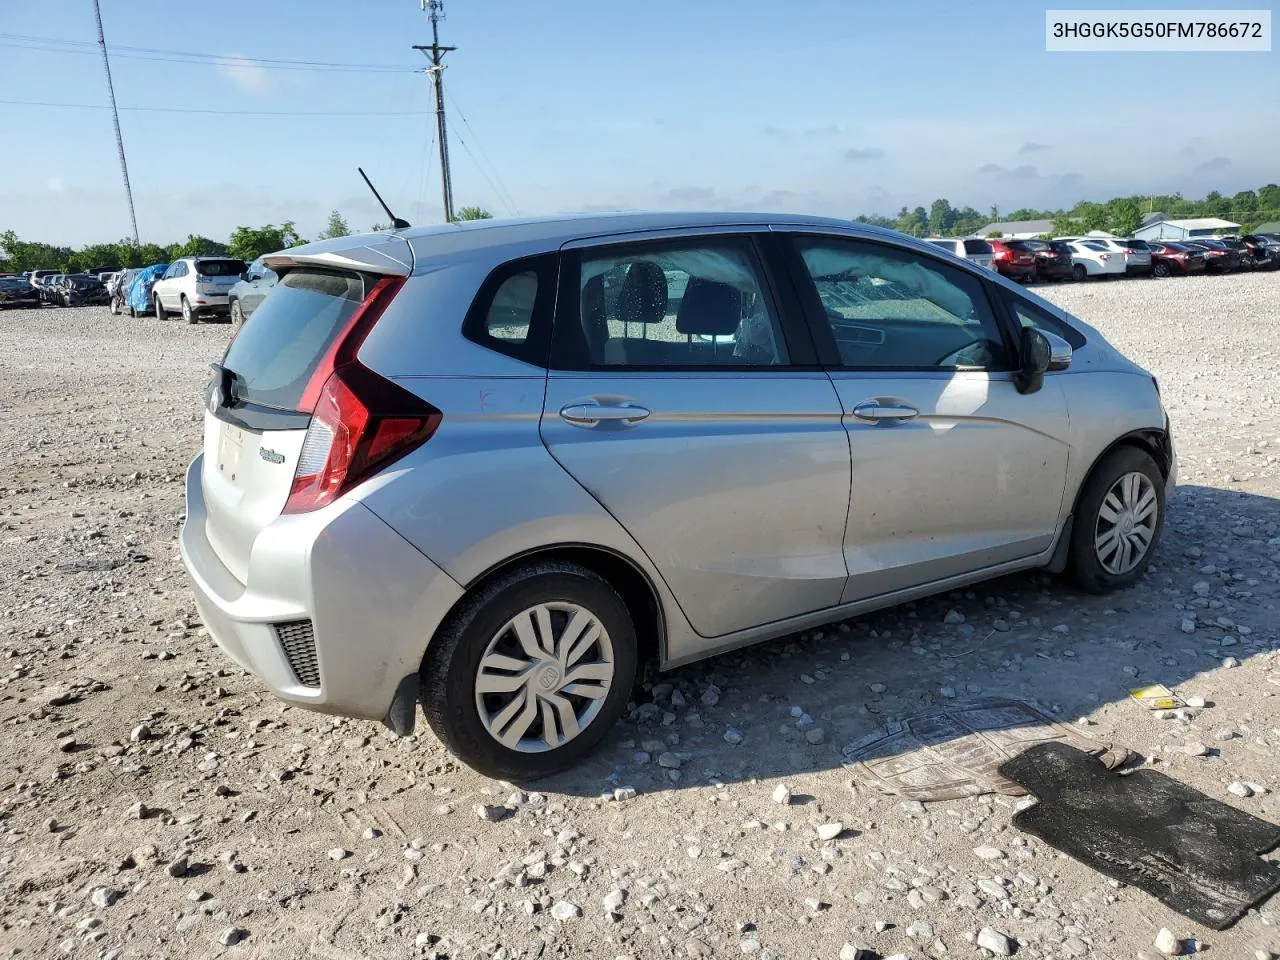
(589, 414)
(875, 411)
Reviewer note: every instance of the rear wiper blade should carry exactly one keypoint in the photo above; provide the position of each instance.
(224, 380)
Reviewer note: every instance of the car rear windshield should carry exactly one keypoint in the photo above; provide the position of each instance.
(945, 244)
(977, 246)
(219, 268)
(1032, 245)
(1135, 244)
(278, 349)
(84, 280)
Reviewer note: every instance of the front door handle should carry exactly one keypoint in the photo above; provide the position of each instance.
(589, 414)
(878, 410)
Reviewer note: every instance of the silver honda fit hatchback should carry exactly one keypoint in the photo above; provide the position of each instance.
(490, 467)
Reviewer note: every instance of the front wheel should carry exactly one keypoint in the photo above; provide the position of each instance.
(1118, 521)
(1161, 270)
(1078, 272)
(531, 672)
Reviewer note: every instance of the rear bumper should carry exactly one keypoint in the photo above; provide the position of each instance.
(210, 303)
(372, 599)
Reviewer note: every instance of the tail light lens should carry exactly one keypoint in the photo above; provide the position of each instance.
(1000, 255)
(361, 422)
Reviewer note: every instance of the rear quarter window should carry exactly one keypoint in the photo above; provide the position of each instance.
(511, 313)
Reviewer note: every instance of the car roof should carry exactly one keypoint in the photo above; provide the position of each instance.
(499, 240)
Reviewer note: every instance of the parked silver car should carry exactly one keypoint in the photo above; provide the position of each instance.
(974, 249)
(491, 467)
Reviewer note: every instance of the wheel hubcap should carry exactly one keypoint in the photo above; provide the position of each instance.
(544, 677)
(1126, 523)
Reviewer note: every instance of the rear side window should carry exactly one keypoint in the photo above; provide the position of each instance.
(511, 313)
(219, 268)
(277, 351)
(977, 246)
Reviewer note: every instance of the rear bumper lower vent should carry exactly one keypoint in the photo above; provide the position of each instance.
(299, 643)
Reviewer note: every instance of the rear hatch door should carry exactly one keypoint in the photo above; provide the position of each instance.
(261, 396)
(216, 277)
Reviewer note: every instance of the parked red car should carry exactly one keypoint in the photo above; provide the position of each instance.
(1014, 259)
(1170, 258)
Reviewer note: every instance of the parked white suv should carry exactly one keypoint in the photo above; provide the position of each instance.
(195, 287)
(973, 249)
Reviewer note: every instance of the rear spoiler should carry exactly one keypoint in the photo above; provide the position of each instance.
(380, 253)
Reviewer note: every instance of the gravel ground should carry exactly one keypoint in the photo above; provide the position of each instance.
(154, 801)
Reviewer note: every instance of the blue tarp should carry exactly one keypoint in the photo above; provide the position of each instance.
(140, 289)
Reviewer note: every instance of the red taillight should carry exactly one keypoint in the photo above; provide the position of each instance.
(1000, 255)
(360, 422)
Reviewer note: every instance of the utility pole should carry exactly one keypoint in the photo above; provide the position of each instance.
(436, 10)
(115, 115)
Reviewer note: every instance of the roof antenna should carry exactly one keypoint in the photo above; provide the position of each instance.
(396, 222)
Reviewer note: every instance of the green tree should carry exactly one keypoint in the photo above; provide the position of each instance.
(1064, 226)
(942, 218)
(472, 213)
(967, 221)
(337, 227)
(1123, 216)
(195, 246)
(249, 243)
(1215, 205)
(1269, 197)
(1246, 201)
(914, 222)
(379, 227)
(26, 255)
(1092, 216)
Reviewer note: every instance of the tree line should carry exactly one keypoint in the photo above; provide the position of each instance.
(1121, 215)
(245, 243)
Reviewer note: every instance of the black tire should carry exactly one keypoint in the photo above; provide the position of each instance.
(1086, 568)
(1078, 272)
(129, 310)
(161, 313)
(449, 670)
(1161, 270)
(237, 315)
(188, 312)
(113, 305)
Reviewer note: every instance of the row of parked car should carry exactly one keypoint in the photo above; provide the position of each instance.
(194, 287)
(46, 286)
(1079, 258)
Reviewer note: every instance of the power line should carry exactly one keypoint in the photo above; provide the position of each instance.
(508, 200)
(225, 113)
(483, 173)
(57, 45)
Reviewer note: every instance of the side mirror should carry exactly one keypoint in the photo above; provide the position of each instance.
(1034, 353)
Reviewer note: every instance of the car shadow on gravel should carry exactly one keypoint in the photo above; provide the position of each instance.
(754, 714)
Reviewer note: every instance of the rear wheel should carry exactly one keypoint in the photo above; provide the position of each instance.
(1118, 521)
(531, 672)
(1161, 269)
(188, 314)
(1078, 272)
(161, 313)
(115, 307)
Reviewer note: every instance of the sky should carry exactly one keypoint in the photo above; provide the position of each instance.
(832, 107)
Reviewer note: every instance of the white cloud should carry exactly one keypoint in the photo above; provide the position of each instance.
(246, 75)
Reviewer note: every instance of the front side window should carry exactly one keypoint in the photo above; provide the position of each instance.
(895, 309)
(677, 305)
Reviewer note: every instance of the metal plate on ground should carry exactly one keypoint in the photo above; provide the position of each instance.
(1194, 854)
(955, 752)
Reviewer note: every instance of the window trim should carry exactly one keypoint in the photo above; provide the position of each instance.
(536, 348)
(820, 329)
(571, 354)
